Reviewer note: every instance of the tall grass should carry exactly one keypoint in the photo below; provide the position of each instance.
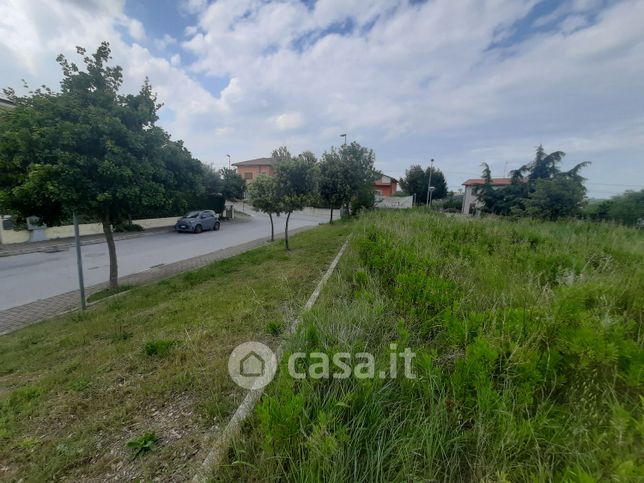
(529, 360)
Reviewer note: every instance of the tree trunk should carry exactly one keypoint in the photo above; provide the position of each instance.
(111, 249)
(270, 215)
(286, 231)
(331, 218)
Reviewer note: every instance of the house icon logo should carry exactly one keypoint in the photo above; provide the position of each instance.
(252, 365)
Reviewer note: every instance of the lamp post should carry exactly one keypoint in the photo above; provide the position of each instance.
(345, 138)
(429, 184)
(228, 160)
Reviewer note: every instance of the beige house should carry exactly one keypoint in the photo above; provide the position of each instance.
(471, 202)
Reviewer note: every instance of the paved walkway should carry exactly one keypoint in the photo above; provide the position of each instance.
(17, 317)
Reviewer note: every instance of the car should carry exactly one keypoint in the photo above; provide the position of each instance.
(198, 221)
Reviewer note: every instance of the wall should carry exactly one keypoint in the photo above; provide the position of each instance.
(396, 202)
(255, 171)
(8, 237)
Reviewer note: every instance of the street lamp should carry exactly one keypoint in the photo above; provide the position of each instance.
(228, 160)
(345, 138)
(430, 190)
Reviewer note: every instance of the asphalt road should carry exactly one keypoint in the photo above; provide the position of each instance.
(29, 277)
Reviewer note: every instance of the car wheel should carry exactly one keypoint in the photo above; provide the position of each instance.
(198, 229)
(216, 227)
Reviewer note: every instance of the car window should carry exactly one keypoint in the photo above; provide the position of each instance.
(192, 214)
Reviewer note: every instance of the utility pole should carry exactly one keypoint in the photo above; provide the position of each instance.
(345, 138)
(79, 262)
(429, 184)
(228, 160)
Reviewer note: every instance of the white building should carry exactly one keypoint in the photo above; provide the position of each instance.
(471, 202)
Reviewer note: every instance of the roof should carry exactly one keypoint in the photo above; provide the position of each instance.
(386, 175)
(481, 182)
(257, 162)
(6, 102)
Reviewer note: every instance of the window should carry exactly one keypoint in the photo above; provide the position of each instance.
(248, 175)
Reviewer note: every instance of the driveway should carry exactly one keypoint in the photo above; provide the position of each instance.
(33, 276)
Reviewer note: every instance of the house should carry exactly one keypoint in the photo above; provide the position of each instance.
(471, 203)
(6, 103)
(251, 169)
(386, 185)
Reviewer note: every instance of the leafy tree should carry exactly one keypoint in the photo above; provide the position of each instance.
(555, 198)
(264, 197)
(364, 199)
(86, 149)
(297, 182)
(233, 185)
(416, 181)
(348, 170)
(626, 208)
(536, 189)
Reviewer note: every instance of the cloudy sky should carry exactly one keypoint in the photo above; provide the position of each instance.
(460, 81)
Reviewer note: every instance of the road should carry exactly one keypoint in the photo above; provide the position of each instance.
(33, 276)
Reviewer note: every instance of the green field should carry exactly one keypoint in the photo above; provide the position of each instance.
(529, 361)
(136, 387)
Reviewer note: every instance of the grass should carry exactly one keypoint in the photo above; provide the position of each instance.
(146, 372)
(529, 361)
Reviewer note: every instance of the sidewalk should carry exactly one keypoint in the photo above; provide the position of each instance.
(18, 317)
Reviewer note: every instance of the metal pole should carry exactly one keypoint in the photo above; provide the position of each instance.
(79, 263)
(430, 181)
(345, 138)
(228, 160)
(431, 191)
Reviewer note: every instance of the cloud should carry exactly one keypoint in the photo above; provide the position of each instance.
(462, 82)
(288, 120)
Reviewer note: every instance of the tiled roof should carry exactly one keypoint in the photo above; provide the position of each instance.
(481, 181)
(256, 162)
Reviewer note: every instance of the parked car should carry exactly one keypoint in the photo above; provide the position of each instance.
(198, 221)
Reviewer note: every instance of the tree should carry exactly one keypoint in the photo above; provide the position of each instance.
(264, 197)
(416, 181)
(85, 149)
(626, 208)
(348, 171)
(555, 198)
(332, 182)
(297, 182)
(536, 189)
(233, 185)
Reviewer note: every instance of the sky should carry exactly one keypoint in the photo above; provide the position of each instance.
(461, 82)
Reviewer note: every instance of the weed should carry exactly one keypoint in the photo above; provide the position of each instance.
(143, 444)
(528, 355)
(159, 348)
(275, 327)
